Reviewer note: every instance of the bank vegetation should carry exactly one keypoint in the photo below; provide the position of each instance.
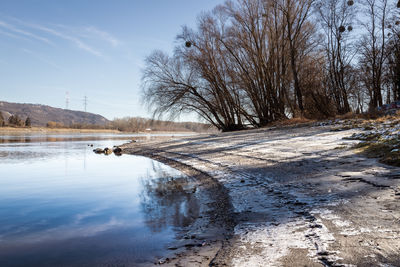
(249, 63)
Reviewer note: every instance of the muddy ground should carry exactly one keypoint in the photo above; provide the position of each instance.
(294, 196)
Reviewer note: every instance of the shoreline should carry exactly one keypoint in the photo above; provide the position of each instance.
(53, 130)
(70, 130)
(300, 196)
(220, 222)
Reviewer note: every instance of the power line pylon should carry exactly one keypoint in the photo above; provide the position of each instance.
(66, 100)
(85, 102)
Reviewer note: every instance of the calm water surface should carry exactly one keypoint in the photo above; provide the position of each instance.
(63, 205)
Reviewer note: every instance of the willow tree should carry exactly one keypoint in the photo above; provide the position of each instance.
(172, 87)
(265, 41)
(243, 64)
(247, 42)
(207, 55)
(373, 47)
(296, 14)
(336, 21)
(393, 55)
(192, 80)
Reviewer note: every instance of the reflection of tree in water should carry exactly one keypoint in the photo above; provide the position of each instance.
(168, 201)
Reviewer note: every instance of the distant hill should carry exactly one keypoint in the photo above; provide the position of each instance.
(41, 114)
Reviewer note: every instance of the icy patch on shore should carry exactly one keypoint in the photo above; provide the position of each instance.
(271, 242)
(274, 241)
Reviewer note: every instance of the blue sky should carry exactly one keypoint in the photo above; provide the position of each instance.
(86, 47)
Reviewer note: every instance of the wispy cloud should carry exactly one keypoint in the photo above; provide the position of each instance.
(5, 33)
(17, 30)
(79, 43)
(103, 35)
(80, 37)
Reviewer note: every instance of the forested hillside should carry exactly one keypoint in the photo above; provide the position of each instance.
(41, 115)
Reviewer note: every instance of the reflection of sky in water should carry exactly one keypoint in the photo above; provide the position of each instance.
(62, 204)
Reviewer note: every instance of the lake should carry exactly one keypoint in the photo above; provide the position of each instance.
(63, 205)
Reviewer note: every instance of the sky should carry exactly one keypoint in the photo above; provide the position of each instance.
(92, 48)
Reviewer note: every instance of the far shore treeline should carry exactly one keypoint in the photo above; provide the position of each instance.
(252, 62)
(128, 124)
(15, 120)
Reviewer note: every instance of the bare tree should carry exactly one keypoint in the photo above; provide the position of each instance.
(393, 55)
(296, 14)
(336, 20)
(266, 41)
(373, 48)
(15, 120)
(175, 85)
(28, 122)
(207, 55)
(250, 53)
(250, 62)
(247, 62)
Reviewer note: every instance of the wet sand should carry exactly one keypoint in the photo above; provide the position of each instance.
(294, 196)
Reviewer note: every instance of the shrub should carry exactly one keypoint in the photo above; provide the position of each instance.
(53, 124)
(28, 122)
(2, 122)
(15, 120)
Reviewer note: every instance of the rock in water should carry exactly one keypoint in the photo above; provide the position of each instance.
(107, 151)
(117, 150)
(98, 151)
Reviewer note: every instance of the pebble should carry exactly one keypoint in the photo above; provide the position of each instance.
(162, 261)
(315, 226)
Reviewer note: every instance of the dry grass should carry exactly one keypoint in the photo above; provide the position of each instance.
(376, 150)
(292, 122)
(383, 118)
(348, 116)
(351, 120)
(392, 158)
(340, 147)
(380, 141)
(385, 150)
(374, 116)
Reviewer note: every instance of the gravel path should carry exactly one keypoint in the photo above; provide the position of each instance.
(300, 197)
